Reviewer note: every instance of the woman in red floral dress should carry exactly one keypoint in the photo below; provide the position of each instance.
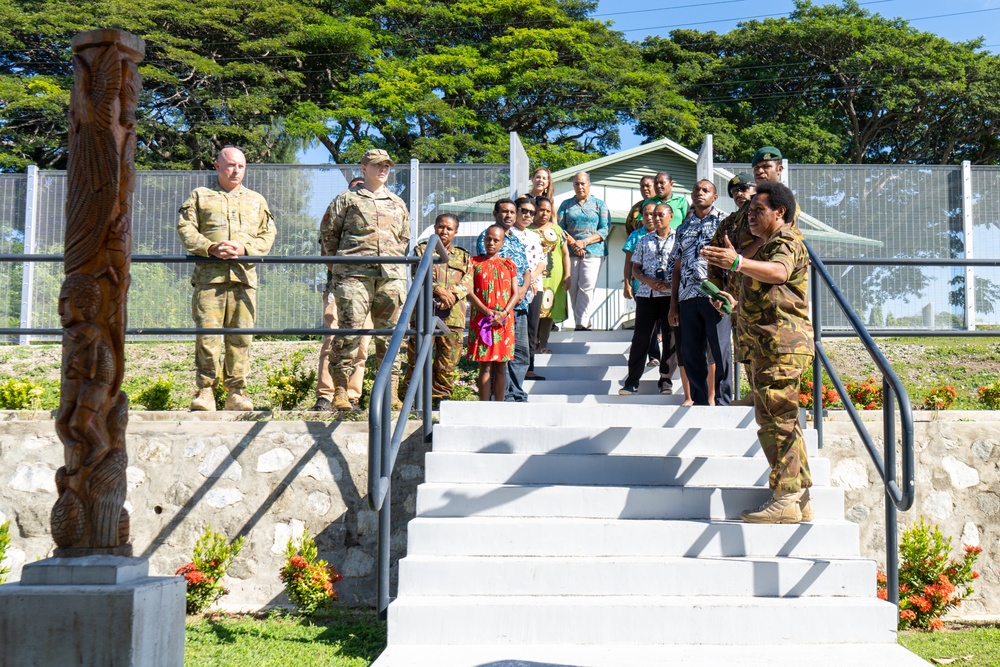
(491, 330)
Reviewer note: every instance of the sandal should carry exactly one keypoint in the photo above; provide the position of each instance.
(544, 350)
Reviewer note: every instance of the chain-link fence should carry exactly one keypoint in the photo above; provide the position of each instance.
(901, 212)
(882, 211)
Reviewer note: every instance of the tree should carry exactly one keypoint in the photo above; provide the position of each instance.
(215, 73)
(450, 81)
(837, 84)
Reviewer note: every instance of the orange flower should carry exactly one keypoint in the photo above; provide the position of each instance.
(298, 561)
(908, 615)
(937, 624)
(883, 594)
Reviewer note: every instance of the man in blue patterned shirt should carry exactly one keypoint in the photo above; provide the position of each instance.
(587, 221)
(703, 328)
(504, 212)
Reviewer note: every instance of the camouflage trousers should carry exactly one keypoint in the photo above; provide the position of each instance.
(776, 383)
(324, 383)
(358, 297)
(228, 305)
(447, 351)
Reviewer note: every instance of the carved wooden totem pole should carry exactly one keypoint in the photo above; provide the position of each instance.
(89, 517)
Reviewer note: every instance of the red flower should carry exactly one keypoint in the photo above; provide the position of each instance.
(883, 594)
(908, 615)
(298, 561)
(920, 602)
(937, 624)
(184, 569)
(970, 549)
(975, 575)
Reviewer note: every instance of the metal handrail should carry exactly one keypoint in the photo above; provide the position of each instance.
(384, 440)
(899, 495)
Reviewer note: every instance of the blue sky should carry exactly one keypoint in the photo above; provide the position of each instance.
(956, 20)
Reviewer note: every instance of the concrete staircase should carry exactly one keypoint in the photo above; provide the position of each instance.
(585, 529)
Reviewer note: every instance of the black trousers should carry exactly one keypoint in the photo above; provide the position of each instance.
(705, 329)
(650, 311)
(534, 314)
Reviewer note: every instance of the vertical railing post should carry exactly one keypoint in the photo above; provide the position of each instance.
(384, 471)
(30, 242)
(427, 337)
(817, 366)
(418, 339)
(967, 227)
(891, 538)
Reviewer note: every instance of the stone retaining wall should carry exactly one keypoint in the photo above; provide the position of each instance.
(269, 480)
(266, 480)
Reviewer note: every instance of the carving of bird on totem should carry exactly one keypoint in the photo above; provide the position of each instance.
(93, 172)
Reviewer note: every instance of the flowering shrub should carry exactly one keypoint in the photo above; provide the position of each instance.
(940, 398)
(990, 395)
(829, 395)
(308, 580)
(930, 583)
(212, 557)
(4, 543)
(865, 395)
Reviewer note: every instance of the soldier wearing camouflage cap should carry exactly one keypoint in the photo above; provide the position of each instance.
(777, 338)
(226, 221)
(366, 220)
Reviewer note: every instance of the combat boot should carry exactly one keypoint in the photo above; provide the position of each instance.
(782, 507)
(805, 506)
(204, 400)
(238, 400)
(340, 400)
(394, 391)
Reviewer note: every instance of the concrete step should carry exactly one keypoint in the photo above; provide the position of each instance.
(587, 374)
(620, 336)
(564, 360)
(515, 536)
(591, 470)
(607, 502)
(496, 413)
(640, 620)
(637, 575)
(609, 387)
(618, 440)
(674, 655)
(590, 347)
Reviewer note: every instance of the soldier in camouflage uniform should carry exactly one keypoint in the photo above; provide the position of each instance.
(366, 220)
(767, 166)
(777, 337)
(452, 283)
(226, 221)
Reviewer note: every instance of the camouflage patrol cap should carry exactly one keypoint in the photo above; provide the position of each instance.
(765, 153)
(378, 156)
(738, 180)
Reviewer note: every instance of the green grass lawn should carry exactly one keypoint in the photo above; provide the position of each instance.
(970, 646)
(343, 638)
(352, 638)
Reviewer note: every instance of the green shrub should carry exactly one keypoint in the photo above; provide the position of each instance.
(930, 583)
(989, 395)
(4, 543)
(308, 580)
(865, 395)
(940, 398)
(290, 384)
(159, 395)
(212, 557)
(20, 395)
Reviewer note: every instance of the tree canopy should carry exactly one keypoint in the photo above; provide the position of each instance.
(447, 80)
(836, 84)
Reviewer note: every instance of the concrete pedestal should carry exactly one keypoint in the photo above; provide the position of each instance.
(94, 611)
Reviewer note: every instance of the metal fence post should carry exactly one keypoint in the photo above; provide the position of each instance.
(415, 215)
(28, 269)
(967, 223)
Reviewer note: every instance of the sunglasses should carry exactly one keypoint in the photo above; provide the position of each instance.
(527, 211)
